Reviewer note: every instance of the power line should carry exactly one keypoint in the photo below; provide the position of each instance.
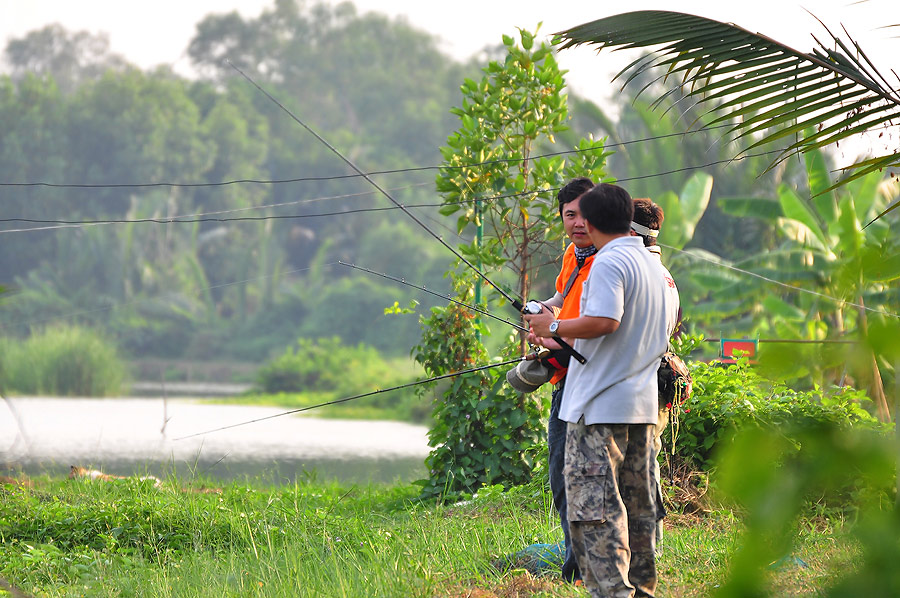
(338, 177)
(208, 217)
(106, 308)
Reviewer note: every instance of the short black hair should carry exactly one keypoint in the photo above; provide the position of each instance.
(573, 190)
(650, 215)
(608, 208)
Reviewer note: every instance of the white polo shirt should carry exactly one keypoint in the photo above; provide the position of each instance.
(673, 301)
(617, 384)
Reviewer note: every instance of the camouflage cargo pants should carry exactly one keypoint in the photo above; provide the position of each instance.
(611, 493)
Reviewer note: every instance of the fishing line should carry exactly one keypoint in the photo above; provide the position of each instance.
(436, 294)
(516, 303)
(354, 397)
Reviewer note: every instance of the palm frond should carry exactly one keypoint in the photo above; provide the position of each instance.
(766, 90)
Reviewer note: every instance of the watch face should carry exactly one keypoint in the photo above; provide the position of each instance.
(554, 326)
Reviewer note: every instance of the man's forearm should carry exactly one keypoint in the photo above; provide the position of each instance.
(580, 327)
(555, 301)
(586, 327)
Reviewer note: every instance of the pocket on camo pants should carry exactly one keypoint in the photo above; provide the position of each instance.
(587, 489)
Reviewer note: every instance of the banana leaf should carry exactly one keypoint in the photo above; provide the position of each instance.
(759, 85)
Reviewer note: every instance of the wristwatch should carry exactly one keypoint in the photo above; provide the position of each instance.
(554, 325)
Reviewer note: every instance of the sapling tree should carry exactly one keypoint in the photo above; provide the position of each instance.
(503, 192)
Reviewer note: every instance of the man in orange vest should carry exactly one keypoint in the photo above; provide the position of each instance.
(566, 303)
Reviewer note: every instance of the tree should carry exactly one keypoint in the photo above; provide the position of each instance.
(70, 58)
(766, 90)
(491, 178)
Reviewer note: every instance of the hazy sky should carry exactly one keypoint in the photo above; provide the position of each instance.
(151, 33)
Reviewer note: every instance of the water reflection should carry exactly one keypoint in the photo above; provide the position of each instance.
(125, 436)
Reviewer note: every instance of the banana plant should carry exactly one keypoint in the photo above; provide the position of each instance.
(826, 249)
(684, 210)
(766, 90)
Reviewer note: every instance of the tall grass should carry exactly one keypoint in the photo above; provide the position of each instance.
(61, 361)
(314, 539)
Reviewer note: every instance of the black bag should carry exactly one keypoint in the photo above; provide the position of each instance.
(674, 380)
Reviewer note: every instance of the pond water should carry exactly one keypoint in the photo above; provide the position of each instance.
(177, 437)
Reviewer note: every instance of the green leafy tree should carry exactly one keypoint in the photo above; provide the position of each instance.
(490, 178)
(492, 182)
(69, 58)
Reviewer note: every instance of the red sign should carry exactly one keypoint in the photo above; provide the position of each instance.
(745, 347)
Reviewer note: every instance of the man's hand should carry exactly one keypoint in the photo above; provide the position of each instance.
(543, 341)
(540, 323)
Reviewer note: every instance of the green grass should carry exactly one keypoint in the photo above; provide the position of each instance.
(67, 538)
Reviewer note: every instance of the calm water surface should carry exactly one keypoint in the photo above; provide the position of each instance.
(127, 436)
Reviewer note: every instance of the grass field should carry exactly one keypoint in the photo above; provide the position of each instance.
(129, 538)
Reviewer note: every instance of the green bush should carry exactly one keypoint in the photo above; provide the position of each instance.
(61, 361)
(326, 365)
(484, 432)
(729, 398)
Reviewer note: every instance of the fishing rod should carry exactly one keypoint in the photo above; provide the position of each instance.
(515, 302)
(436, 294)
(530, 307)
(528, 357)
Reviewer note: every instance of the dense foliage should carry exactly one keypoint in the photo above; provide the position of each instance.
(248, 267)
(61, 361)
(483, 432)
(728, 398)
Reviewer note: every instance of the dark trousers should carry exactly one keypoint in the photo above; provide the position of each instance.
(556, 440)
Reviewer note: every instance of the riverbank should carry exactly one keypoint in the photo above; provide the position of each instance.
(128, 538)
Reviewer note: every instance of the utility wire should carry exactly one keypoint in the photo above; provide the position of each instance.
(106, 308)
(354, 397)
(208, 216)
(212, 216)
(342, 176)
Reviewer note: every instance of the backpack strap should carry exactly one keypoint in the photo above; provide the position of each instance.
(571, 281)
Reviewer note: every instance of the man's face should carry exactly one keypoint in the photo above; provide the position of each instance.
(575, 225)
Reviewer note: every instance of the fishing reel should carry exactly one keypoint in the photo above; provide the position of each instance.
(532, 307)
(536, 307)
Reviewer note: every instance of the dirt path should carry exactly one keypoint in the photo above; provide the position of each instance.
(7, 589)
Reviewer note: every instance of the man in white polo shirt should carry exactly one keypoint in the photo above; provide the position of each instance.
(610, 402)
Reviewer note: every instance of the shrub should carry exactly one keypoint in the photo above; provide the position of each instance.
(484, 432)
(729, 398)
(62, 361)
(326, 365)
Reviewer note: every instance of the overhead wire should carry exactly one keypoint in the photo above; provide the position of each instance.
(207, 216)
(113, 305)
(337, 177)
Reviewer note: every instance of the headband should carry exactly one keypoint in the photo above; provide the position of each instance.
(643, 230)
